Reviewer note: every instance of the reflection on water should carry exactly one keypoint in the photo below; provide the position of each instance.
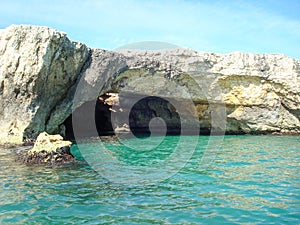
(253, 179)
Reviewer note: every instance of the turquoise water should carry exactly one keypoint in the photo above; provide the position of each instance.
(251, 179)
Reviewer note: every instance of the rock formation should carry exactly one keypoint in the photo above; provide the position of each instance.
(48, 150)
(261, 92)
(38, 66)
(44, 77)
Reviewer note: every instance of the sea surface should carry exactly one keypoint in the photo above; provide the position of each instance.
(245, 180)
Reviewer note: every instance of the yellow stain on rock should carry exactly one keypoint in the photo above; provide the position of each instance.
(238, 111)
(49, 143)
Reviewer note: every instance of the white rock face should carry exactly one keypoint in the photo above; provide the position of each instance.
(41, 69)
(38, 65)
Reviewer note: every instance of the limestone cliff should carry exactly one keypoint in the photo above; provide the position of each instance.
(38, 65)
(261, 92)
(41, 71)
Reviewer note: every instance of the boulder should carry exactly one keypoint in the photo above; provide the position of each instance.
(48, 150)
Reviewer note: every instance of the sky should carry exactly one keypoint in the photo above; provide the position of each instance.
(257, 26)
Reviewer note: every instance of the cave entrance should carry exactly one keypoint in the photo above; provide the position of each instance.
(89, 114)
(148, 114)
(154, 115)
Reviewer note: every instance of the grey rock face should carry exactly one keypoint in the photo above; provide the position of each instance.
(44, 76)
(96, 77)
(38, 65)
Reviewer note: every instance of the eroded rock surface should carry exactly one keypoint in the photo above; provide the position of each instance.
(44, 77)
(48, 150)
(261, 92)
(38, 66)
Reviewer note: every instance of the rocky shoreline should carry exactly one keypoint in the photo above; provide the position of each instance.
(48, 150)
(63, 156)
(46, 158)
(48, 81)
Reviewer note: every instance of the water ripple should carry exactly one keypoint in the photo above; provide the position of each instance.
(252, 180)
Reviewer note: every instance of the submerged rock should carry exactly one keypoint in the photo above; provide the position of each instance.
(48, 150)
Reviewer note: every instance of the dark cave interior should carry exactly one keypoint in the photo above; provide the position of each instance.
(94, 118)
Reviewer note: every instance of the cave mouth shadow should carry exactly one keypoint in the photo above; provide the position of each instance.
(154, 115)
(140, 116)
(89, 114)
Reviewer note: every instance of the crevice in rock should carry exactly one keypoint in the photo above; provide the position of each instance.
(234, 127)
(294, 112)
(2, 87)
